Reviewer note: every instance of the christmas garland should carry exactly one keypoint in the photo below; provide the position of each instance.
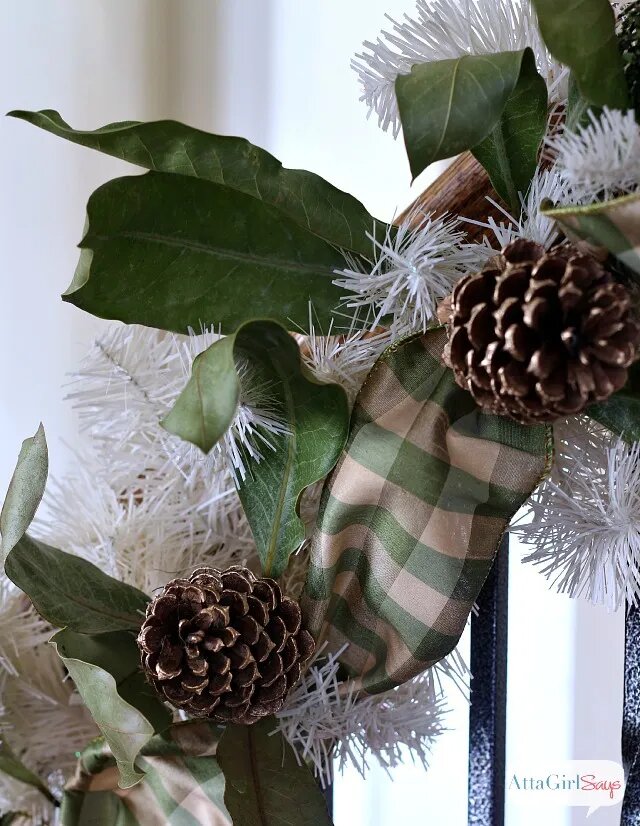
(310, 430)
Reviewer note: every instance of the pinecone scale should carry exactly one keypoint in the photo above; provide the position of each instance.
(224, 645)
(539, 335)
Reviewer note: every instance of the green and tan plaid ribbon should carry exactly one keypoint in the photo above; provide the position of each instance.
(413, 514)
(183, 783)
(612, 225)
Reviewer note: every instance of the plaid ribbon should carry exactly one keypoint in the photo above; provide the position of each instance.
(613, 225)
(183, 783)
(413, 514)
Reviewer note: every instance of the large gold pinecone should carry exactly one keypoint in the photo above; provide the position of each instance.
(224, 645)
(538, 335)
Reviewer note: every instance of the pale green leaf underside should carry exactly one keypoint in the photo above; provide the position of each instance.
(25, 491)
(99, 667)
(613, 225)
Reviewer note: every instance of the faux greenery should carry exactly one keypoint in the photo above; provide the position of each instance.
(218, 234)
(314, 419)
(495, 105)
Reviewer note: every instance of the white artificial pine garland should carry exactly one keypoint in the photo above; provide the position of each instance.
(145, 508)
(585, 522)
(42, 718)
(531, 223)
(327, 724)
(156, 528)
(444, 29)
(416, 266)
(600, 160)
(343, 358)
(130, 381)
(21, 627)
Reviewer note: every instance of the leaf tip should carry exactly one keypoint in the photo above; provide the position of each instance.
(129, 777)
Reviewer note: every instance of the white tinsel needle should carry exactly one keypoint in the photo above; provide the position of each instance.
(416, 265)
(584, 529)
(324, 723)
(600, 160)
(443, 29)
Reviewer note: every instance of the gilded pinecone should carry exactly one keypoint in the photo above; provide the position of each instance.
(224, 645)
(537, 336)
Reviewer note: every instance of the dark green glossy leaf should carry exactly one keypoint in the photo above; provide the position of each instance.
(106, 671)
(582, 35)
(168, 146)
(510, 152)
(175, 252)
(316, 417)
(11, 765)
(449, 106)
(25, 491)
(70, 592)
(265, 785)
(620, 413)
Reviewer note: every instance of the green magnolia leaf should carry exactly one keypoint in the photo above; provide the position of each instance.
(265, 785)
(106, 671)
(25, 491)
(613, 225)
(168, 146)
(449, 106)
(510, 152)
(316, 418)
(620, 413)
(70, 592)
(11, 765)
(582, 35)
(174, 252)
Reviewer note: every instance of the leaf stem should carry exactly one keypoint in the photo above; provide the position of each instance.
(503, 160)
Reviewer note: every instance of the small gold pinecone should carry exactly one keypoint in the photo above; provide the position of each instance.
(538, 335)
(224, 645)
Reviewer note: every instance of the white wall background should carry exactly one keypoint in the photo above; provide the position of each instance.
(278, 73)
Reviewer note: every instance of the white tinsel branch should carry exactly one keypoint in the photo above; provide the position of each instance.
(600, 160)
(444, 29)
(324, 722)
(343, 357)
(585, 520)
(129, 382)
(531, 224)
(415, 267)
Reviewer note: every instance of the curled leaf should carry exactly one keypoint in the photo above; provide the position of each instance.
(314, 421)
